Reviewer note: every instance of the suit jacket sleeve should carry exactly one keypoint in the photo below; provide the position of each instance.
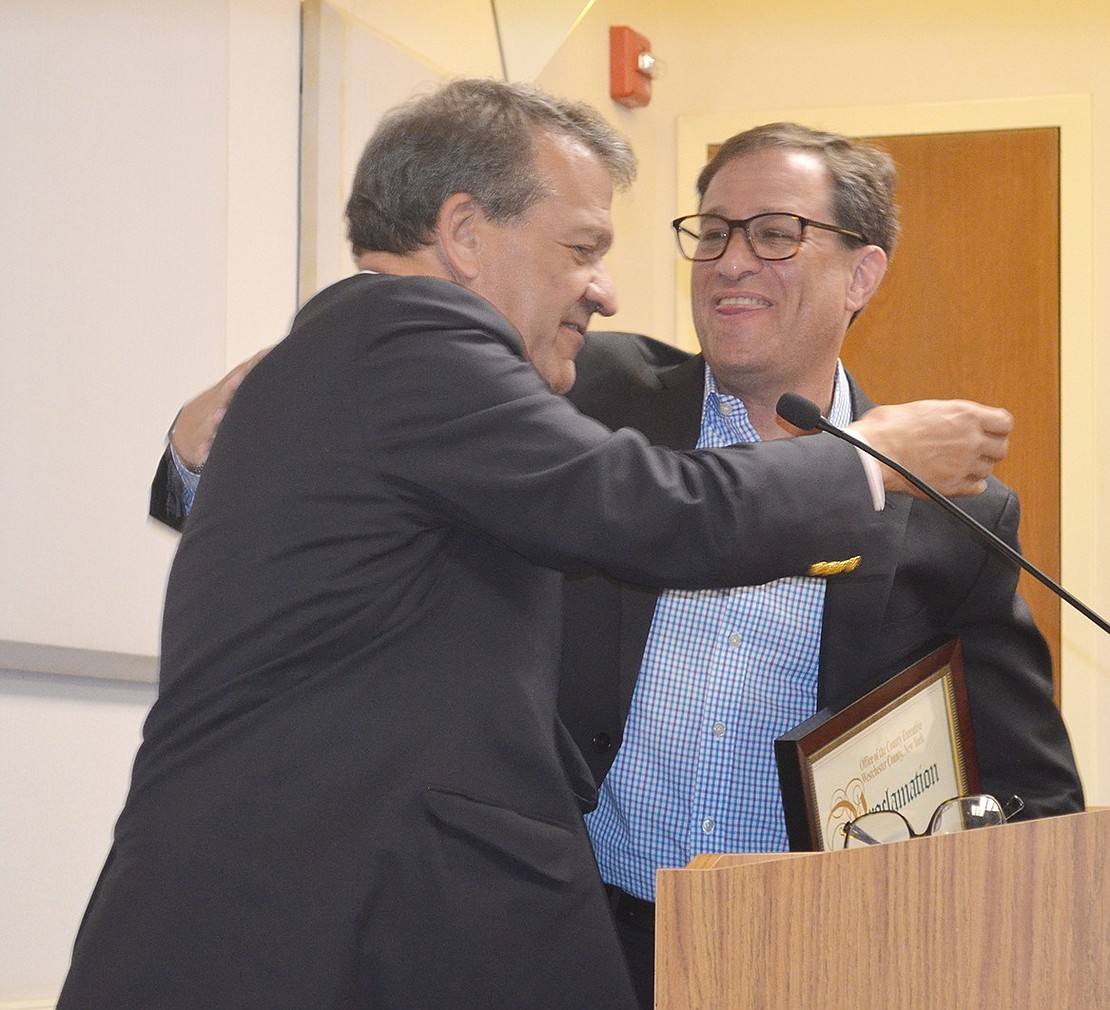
(500, 453)
(948, 584)
(1020, 739)
(943, 582)
(167, 503)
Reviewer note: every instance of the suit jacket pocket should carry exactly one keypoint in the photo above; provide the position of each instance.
(510, 840)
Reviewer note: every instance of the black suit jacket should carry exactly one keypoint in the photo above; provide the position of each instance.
(924, 578)
(353, 789)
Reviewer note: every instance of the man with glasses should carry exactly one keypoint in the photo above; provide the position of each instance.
(792, 240)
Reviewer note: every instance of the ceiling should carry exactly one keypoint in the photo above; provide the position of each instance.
(512, 39)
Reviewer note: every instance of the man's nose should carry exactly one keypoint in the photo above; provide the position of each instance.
(738, 257)
(602, 293)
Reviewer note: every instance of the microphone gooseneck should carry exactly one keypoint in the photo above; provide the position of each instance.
(795, 409)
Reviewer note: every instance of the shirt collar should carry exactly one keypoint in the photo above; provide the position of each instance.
(723, 408)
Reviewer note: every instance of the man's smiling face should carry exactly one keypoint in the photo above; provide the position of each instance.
(767, 327)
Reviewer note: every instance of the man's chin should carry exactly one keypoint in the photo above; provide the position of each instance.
(560, 376)
(557, 369)
(566, 383)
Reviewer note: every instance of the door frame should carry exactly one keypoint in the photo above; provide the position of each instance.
(1085, 683)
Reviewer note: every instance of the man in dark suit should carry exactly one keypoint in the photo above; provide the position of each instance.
(792, 239)
(353, 789)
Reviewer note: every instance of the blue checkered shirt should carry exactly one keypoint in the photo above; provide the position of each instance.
(724, 672)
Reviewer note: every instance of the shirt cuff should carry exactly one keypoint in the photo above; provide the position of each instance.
(874, 476)
(189, 480)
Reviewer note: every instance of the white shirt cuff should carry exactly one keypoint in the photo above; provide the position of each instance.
(874, 474)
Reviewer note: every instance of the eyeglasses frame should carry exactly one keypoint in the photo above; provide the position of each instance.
(1009, 808)
(742, 225)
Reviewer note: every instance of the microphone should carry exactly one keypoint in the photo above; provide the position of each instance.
(806, 415)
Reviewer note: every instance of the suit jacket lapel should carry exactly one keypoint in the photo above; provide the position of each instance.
(854, 607)
(856, 602)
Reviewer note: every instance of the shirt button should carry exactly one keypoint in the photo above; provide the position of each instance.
(708, 825)
(718, 729)
(726, 409)
(734, 639)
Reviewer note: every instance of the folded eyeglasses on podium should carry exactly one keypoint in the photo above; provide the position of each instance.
(961, 813)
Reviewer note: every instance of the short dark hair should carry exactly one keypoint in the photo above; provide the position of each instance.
(472, 136)
(862, 175)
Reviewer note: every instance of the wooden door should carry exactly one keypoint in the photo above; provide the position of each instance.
(970, 308)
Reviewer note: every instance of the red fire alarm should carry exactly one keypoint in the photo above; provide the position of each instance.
(630, 66)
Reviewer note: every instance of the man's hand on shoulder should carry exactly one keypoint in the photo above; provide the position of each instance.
(197, 421)
(951, 444)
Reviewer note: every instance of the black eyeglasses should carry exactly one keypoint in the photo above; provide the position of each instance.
(704, 237)
(961, 813)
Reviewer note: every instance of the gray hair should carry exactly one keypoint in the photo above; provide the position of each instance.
(471, 136)
(862, 175)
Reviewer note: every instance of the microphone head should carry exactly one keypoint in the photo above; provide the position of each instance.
(795, 409)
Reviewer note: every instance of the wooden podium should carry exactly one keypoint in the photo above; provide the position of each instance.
(1007, 917)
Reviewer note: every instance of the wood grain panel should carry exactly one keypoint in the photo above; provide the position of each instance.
(970, 308)
(1005, 918)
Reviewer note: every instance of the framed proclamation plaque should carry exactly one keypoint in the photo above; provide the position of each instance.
(907, 745)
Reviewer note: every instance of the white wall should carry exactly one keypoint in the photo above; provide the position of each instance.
(127, 201)
(113, 277)
(66, 747)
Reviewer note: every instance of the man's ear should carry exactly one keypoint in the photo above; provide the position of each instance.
(867, 274)
(458, 235)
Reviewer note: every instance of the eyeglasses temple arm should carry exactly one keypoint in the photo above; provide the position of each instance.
(855, 831)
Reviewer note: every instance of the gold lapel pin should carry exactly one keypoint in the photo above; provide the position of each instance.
(823, 569)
